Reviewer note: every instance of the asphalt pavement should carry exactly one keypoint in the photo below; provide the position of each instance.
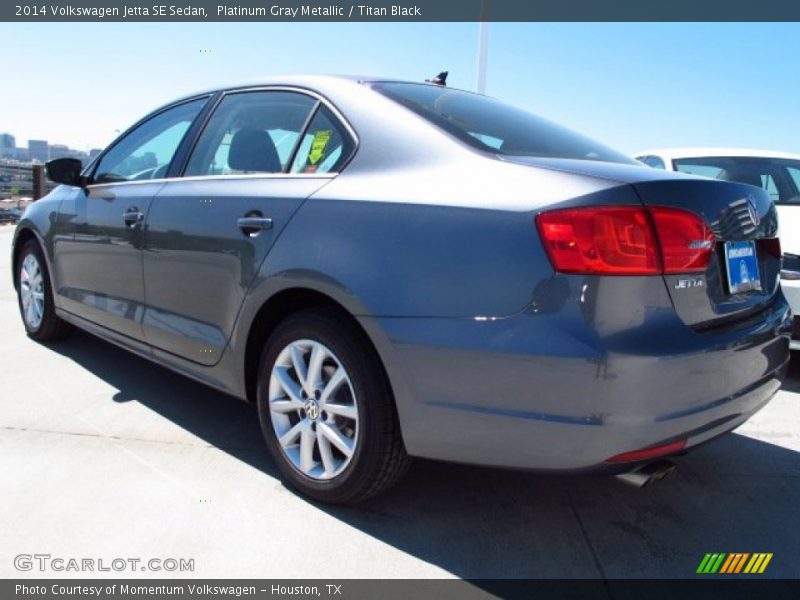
(104, 455)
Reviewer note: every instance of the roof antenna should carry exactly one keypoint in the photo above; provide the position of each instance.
(440, 79)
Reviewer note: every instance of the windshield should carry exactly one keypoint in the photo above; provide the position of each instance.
(492, 126)
(780, 177)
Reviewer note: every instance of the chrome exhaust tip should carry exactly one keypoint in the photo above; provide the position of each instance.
(647, 474)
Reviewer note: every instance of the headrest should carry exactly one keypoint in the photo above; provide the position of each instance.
(253, 150)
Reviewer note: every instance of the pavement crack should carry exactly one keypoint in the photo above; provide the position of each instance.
(103, 436)
(586, 539)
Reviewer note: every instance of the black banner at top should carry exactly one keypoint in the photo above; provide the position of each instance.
(397, 10)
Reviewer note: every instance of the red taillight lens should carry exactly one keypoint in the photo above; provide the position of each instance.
(625, 240)
(613, 240)
(686, 241)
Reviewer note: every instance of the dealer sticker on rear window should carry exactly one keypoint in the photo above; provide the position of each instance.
(741, 262)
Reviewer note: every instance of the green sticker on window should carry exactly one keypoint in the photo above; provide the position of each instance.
(318, 145)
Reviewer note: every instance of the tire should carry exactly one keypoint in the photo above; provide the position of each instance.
(36, 307)
(364, 421)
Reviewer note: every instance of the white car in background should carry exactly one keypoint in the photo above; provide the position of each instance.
(776, 172)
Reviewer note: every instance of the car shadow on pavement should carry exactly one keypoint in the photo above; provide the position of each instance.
(735, 495)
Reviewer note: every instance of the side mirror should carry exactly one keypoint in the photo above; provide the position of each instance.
(65, 170)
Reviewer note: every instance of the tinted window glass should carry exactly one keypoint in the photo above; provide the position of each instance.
(653, 161)
(775, 175)
(325, 145)
(251, 132)
(702, 170)
(145, 153)
(493, 126)
(794, 173)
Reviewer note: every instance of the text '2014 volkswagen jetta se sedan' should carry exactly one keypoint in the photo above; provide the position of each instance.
(393, 269)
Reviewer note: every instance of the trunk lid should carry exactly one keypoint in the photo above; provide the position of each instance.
(735, 213)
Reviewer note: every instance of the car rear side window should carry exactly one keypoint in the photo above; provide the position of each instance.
(325, 146)
(493, 126)
(147, 151)
(251, 132)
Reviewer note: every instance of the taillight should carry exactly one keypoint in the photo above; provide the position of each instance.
(614, 240)
(686, 241)
(625, 240)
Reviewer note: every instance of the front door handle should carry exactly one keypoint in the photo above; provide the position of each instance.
(132, 216)
(253, 225)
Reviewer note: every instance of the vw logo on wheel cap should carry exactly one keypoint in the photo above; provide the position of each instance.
(312, 409)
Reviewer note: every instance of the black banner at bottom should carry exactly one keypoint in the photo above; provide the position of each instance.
(729, 588)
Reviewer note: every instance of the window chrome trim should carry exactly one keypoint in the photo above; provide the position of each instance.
(165, 180)
(321, 100)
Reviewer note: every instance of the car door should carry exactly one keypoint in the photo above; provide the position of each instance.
(100, 237)
(208, 232)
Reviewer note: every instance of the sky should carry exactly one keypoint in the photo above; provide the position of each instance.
(632, 86)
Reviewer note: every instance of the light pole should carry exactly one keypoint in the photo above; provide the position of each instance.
(483, 50)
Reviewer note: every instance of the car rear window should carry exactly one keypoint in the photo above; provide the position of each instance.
(493, 126)
(777, 176)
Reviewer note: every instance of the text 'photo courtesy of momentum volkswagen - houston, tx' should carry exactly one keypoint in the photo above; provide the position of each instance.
(392, 269)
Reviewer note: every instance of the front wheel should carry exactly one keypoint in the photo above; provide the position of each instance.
(35, 296)
(326, 410)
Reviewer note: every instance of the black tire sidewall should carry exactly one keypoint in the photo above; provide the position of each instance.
(368, 385)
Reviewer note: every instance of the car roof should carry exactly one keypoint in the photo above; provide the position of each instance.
(314, 82)
(703, 152)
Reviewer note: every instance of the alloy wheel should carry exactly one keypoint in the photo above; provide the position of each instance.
(31, 289)
(314, 410)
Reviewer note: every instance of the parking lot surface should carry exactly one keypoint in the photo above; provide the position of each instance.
(106, 455)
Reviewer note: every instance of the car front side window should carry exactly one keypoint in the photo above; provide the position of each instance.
(251, 132)
(147, 151)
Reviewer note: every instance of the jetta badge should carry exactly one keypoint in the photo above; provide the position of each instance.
(683, 284)
(752, 209)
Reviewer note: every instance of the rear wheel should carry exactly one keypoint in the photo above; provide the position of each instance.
(326, 410)
(35, 296)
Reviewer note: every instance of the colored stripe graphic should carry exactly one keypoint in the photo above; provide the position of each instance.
(758, 563)
(733, 563)
(728, 563)
(711, 562)
(741, 562)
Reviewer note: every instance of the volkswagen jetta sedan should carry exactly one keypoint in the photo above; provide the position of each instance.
(392, 269)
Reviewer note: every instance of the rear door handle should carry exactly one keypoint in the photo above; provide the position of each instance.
(132, 216)
(253, 225)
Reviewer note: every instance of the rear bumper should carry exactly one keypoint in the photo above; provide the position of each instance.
(536, 392)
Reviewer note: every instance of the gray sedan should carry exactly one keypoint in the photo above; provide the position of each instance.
(393, 269)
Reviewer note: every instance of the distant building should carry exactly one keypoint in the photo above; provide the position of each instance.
(94, 152)
(39, 150)
(57, 151)
(8, 146)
